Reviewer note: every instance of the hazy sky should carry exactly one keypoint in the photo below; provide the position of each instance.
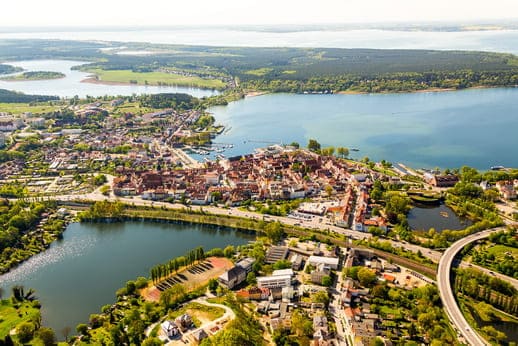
(173, 12)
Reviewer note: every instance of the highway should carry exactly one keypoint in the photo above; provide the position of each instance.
(446, 292)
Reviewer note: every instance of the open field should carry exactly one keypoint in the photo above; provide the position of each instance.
(153, 78)
(193, 277)
(200, 312)
(17, 108)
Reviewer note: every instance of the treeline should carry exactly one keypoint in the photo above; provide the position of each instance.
(296, 69)
(169, 100)
(103, 210)
(7, 96)
(161, 271)
(492, 290)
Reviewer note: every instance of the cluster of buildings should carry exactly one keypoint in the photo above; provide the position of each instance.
(273, 173)
(276, 296)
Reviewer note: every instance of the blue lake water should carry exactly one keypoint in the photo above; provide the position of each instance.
(475, 127)
(71, 85)
(485, 40)
(76, 276)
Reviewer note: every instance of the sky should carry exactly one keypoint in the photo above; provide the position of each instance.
(238, 12)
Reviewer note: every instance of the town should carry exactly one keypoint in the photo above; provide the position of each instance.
(334, 263)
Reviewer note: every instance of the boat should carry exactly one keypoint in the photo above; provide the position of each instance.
(497, 168)
(444, 214)
(355, 149)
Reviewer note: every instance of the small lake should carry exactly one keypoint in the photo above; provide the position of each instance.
(71, 85)
(76, 276)
(439, 217)
(475, 127)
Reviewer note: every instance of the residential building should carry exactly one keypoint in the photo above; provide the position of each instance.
(277, 281)
(331, 262)
(232, 277)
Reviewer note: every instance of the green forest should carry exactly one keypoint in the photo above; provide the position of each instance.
(289, 69)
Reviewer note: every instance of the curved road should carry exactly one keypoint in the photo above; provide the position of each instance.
(446, 292)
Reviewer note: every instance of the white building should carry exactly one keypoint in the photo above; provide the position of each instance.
(331, 262)
(274, 281)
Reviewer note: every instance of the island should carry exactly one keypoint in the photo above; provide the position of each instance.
(34, 75)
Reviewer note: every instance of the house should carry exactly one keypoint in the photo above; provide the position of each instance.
(277, 281)
(199, 335)
(232, 277)
(321, 272)
(320, 327)
(331, 262)
(170, 329)
(506, 189)
(246, 264)
(448, 180)
(184, 322)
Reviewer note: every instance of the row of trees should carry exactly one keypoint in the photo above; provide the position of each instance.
(489, 289)
(103, 210)
(161, 271)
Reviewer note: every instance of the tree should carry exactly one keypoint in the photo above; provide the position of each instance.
(313, 145)
(152, 342)
(82, 329)
(274, 231)
(213, 285)
(301, 325)
(25, 331)
(250, 278)
(327, 281)
(47, 336)
(282, 264)
(342, 152)
(321, 297)
(366, 276)
(229, 251)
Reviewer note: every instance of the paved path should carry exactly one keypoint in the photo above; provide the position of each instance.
(446, 292)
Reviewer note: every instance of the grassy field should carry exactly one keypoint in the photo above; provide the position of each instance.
(199, 312)
(501, 250)
(17, 108)
(155, 78)
(132, 107)
(10, 316)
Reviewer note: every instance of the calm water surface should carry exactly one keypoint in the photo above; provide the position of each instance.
(491, 40)
(474, 127)
(71, 85)
(438, 217)
(81, 273)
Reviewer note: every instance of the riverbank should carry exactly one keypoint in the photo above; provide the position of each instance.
(428, 90)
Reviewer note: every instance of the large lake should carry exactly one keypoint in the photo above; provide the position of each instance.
(71, 85)
(476, 127)
(486, 40)
(76, 276)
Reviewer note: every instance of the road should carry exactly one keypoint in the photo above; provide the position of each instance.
(446, 292)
